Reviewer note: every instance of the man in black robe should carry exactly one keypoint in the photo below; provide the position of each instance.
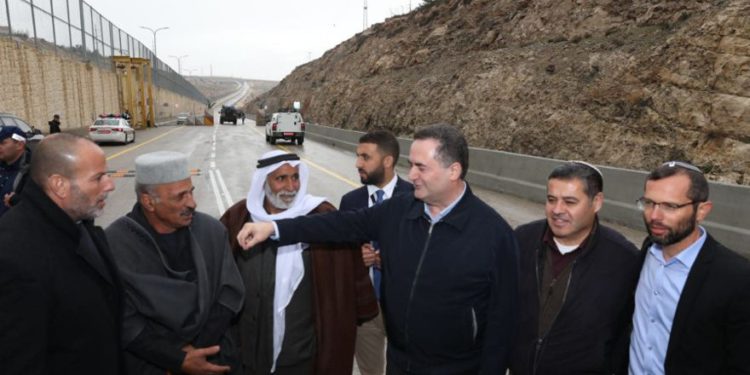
(182, 286)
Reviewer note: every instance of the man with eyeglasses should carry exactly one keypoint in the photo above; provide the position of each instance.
(692, 302)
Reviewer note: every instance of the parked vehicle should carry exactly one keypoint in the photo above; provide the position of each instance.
(228, 114)
(285, 125)
(185, 118)
(33, 135)
(111, 128)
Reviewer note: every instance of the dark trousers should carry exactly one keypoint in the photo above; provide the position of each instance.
(306, 367)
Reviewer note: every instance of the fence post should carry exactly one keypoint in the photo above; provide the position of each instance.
(67, 22)
(83, 29)
(7, 14)
(33, 19)
(54, 29)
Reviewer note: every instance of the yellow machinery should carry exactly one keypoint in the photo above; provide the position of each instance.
(136, 89)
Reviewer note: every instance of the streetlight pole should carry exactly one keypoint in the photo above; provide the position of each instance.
(154, 100)
(154, 32)
(179, 62)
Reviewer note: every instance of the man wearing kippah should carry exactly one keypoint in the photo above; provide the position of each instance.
(304, 301)
(576, 277)
(15, 161)
(182, 286)
(692, 303)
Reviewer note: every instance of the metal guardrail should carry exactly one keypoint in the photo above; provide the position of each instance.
(74, 26)
(526, 177)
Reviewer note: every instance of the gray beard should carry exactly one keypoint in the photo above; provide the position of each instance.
(80, 209)
(276, 200)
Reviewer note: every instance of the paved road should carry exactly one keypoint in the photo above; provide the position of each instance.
(224, 158)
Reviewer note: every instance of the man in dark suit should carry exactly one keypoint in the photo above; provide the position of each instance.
(60, 295)
(377, 155)
(692, 303)
(450, 270)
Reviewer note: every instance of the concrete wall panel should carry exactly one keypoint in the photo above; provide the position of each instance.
(526, 177)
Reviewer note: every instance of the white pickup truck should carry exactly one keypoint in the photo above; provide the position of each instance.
(285, 125)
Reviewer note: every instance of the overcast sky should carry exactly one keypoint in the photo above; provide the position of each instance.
(245, 38)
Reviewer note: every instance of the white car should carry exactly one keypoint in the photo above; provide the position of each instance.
(185, 118)
(285, 125)
(112, 129)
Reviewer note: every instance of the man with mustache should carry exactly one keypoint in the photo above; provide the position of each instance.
(182, 286)
(60, 293)
(377, 155)
(692, 303)
(576, 277)
(450, 266)
(303, 301)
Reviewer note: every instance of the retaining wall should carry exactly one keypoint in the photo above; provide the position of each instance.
(526, 177)
(38, 81)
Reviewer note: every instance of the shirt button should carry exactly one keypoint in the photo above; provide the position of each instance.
(649, 348)
(652, 320)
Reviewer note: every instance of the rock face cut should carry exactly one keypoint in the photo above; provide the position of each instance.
(626, 83)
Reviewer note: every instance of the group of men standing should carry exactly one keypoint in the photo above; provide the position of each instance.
(284, 283)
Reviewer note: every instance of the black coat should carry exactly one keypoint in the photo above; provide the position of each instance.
(358, 198)
(448, 292)
(711, 327)
(589, 334)
(59, 307)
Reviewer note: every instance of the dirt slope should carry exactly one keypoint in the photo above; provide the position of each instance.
(627, 83)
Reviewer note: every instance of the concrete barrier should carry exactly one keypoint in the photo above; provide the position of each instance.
(526, 177)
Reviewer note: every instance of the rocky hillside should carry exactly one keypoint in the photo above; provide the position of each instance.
(627, 83)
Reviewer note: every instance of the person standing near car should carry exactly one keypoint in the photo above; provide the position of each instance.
(15, 161)
(576, 278)
(377, 154)
(54, 125)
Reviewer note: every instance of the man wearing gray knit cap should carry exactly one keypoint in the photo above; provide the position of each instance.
(181, 284)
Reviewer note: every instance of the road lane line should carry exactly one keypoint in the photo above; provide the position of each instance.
(219, 203)
(140, 145)
(224, 189)
(318, 167)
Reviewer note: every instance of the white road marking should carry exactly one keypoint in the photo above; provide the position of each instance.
(219, 203)
(224, 189)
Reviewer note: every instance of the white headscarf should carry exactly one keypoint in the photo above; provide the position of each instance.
(289, 266)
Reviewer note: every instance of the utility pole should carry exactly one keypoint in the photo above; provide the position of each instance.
(364, 16)
(179, 62)
(154, 32)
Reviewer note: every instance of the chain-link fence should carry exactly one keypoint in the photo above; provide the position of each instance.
(75, 26)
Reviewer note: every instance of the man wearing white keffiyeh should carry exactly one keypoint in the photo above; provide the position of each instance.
(303, 301)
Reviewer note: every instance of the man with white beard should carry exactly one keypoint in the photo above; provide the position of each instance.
(303, 302)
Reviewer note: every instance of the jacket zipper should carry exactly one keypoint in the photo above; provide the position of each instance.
(474, 325)
(413, 286)
(540, 340)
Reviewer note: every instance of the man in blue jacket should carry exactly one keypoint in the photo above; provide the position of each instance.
(377, 154)
(449, 262)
